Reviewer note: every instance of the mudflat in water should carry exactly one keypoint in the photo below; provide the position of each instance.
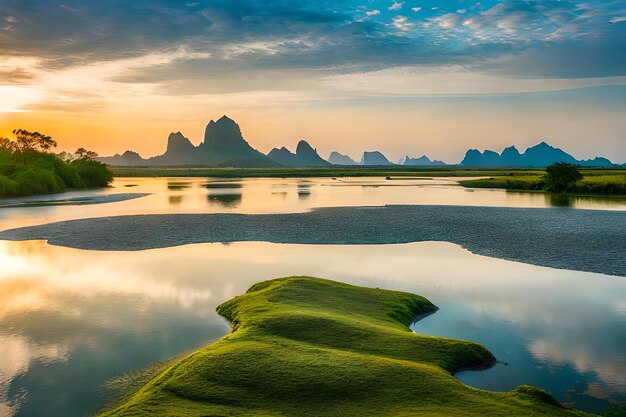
(584, 240)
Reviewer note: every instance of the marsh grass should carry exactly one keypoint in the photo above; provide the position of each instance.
(601, 182)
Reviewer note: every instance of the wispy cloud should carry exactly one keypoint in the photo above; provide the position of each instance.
(402, 23)
(86, 51)
(396, 5)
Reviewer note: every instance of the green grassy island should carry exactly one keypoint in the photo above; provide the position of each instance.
(304, 346)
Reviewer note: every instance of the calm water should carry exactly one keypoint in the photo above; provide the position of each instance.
(276, 195)
(71, 320)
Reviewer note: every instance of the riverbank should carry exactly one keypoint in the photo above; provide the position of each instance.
(303, 346)
(594, 182)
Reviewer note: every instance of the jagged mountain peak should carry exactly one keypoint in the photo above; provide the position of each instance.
(305, 155)
(375, 158)
(225, 119)
(421, 161)
(337, 158)
(304, 148)
(177, 142)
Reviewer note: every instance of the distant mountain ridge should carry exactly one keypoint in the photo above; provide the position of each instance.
(223, 145)
(337, 158)
(305, 156)
(421, 161)
(540, 156)
(374, 158)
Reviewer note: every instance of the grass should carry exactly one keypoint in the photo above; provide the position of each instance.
(602, 182)
(304, 346)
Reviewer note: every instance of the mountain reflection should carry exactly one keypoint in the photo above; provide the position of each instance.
(304, 189)
(225, 200)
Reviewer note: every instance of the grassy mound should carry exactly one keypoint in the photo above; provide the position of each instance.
(309, 347)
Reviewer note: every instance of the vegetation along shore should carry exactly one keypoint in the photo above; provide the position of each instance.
(567, 179)
(27, 167)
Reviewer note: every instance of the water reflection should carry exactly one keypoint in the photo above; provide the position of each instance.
(304, 189)
(558, 200)
(225, 195)
(174, 185)
(276, 195)
(175, 200)
(67, 315)
(227, 201)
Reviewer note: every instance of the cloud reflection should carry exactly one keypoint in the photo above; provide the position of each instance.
(80, 309)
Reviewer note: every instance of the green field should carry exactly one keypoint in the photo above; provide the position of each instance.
(304, 346)
(602, 182)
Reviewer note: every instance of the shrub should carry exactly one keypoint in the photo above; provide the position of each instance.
(26, 167)
(8, 187)
(31, 172)
(93, 173)
(561, 177)
(68, 174)
(34, 180)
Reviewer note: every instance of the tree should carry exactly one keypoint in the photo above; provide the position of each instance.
(7, 144)
(561, 176)
(26, 140)
(82, 153)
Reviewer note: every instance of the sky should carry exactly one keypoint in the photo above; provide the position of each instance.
(413, 77)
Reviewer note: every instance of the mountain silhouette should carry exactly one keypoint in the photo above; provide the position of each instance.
(309, 155)
(421, 161)
(128, 158)
(305, 156)
(284, 157)
(180, 151)
(337, 158)
(375, 158)
(223, 145)
(540, 156)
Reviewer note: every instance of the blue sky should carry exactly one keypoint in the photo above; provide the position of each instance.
(283, 67)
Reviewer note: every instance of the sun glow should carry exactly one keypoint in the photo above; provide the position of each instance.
(15, 98)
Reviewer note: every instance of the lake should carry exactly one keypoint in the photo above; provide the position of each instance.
(72, 320)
